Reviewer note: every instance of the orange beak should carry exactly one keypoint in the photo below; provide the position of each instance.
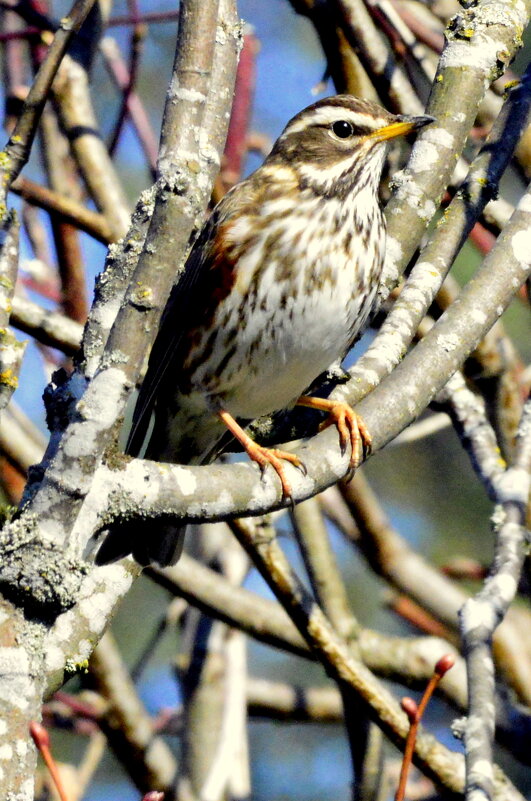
(404, 125)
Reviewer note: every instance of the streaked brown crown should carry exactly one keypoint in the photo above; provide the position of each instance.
(339, 141)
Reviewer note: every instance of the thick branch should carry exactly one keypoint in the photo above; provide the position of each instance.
(197, 97)
(481, 614)
(481, 40)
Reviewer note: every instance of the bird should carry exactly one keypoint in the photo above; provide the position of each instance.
(279, 284)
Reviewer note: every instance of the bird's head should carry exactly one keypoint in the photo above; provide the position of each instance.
(341, 141)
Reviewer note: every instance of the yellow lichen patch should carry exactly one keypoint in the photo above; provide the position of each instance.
(508, 86)
(71, 666)
(9, 379)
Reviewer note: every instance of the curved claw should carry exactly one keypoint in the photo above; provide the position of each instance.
(264, 456)
(351, 429)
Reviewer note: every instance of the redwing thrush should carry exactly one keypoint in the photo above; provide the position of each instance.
(278, 286)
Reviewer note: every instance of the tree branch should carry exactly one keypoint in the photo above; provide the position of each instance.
(481, 614)
(17, 150)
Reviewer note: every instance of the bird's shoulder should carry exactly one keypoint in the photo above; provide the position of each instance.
(208, 277)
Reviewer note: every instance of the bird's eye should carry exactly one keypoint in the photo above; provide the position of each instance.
(343, 129)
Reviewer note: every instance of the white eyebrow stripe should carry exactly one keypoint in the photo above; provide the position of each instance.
(330, 114)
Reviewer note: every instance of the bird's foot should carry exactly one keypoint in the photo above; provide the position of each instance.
(264, 456)
(350, 426)
(274, 457)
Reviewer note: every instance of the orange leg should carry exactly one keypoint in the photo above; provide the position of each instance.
(263, 456)
(350, 426)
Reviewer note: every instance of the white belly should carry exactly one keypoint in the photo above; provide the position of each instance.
(292, 324)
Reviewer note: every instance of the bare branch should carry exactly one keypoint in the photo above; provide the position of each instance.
(183, 192)
(17, 150)
(480, 41)
(126, 723)
(65, 208)
(437, 762)
(50, 328)
(467, 410)
(367, 42)
(481, 614)
(391, 557)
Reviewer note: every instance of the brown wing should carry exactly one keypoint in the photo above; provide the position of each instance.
(207, 279)
(182, 306)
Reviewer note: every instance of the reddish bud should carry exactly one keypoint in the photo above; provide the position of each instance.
(410, 708)
(39, 734)
(153, 795)
(444, 664)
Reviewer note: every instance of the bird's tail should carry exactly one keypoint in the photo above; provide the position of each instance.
(148, 543)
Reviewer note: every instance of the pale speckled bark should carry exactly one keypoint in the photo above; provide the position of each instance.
(87, 412)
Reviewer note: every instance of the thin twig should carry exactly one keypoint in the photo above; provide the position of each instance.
(17, 150)
(49, 328)
(367, 42)
(139, 119)
(135, 52)
(42, 741)
(65, 208)
(126, 723)
(468, 414)
(330, 592)
(415, 714)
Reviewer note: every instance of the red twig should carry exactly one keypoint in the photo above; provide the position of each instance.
(463, 568)
(135, 51)
(23, 33)
(113, 22)
(137, 113)
(13, 480)
(400, 48)
(46, 289)
(482, 238)
(237, 138)
(77, 706)
(415, 714)
(418, 617)
(42, 742)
